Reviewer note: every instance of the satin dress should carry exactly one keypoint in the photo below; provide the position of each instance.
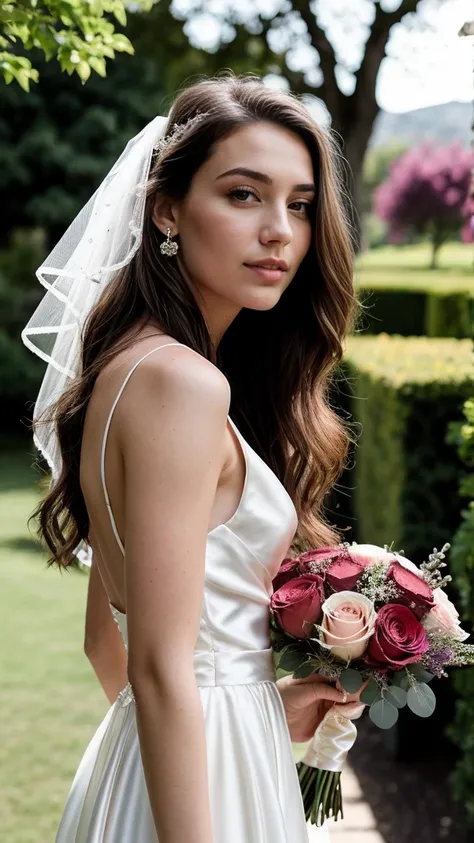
(253, 783)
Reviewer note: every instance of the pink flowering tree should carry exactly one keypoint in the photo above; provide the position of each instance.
(427, 192)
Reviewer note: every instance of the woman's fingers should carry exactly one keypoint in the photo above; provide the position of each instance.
(320, 689)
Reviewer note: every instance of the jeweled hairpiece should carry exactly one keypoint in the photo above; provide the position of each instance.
(179, 129)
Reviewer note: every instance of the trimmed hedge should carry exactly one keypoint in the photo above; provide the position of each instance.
(462, 555)
(415, 312)
(405, 391)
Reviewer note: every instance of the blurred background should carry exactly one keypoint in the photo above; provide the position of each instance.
(394, 80)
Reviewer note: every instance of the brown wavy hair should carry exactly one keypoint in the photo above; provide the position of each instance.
(280, 363)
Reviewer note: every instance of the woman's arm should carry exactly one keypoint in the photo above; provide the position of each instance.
(103, 643)
(172, 435)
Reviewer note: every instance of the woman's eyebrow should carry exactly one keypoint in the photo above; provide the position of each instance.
(254, 174)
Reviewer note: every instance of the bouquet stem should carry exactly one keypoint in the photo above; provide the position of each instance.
(321, 793)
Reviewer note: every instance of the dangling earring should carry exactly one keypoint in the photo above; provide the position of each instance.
(168, 248)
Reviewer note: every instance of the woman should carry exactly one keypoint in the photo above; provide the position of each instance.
(210, 274)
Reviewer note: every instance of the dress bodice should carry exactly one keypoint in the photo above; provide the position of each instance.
(243, 556)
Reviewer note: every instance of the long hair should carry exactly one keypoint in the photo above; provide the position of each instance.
(280, 363)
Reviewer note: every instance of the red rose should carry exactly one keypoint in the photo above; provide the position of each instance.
(297, 604)
(415, 591)
(320, 555)
(398, 638)
(343, 574)
(289, 569)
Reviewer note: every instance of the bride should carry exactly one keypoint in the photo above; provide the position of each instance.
(194, 314)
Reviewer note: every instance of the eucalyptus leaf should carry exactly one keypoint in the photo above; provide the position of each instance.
(401, 680)
(383, 714)
(421, 699)
(421, 674)
(397, 696)
(371, 693)
(291, 659)
(350, 680)
(304, 670)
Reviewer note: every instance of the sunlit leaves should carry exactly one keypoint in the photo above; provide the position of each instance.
(78, 33)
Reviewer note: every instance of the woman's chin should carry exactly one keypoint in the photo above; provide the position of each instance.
(263, 299)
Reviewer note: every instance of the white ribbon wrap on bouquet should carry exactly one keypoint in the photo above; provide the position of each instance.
(333, 738)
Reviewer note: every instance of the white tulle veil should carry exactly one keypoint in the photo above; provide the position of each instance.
(102, 239)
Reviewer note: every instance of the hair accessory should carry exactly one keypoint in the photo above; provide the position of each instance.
(169, 248)
(177, 132)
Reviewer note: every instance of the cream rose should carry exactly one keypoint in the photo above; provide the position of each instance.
(348, 623)
(444, 617)
(367, 554)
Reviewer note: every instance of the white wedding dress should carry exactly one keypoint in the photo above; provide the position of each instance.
(253, 783)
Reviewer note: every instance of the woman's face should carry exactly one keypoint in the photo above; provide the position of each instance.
(248, 203)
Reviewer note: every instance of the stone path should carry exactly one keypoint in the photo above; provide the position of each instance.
(358, 825)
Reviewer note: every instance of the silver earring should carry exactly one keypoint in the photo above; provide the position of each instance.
(168, 247)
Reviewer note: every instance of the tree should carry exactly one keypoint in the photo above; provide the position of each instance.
(79, 33)
(301, 26)
(427, 191)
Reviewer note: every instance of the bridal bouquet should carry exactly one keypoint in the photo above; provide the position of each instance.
(361, 614)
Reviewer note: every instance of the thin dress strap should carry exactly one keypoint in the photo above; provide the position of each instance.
(106, 433)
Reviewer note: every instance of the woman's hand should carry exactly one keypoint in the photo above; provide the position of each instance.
(307, 701)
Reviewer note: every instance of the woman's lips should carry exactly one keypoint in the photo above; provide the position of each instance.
(266, 273)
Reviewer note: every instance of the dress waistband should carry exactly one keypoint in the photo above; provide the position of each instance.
(224, 667)
(233, 667)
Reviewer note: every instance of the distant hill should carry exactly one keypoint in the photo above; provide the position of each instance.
(440, 124)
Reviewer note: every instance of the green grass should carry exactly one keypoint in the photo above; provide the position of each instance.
(408, 266)
(50, 700)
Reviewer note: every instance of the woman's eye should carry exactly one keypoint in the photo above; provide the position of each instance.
(304, 206)
(241, 193)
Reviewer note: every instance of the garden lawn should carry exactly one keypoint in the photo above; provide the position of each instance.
(50, 700)
(408, 266)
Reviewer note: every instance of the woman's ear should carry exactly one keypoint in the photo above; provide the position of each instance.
(165, 215)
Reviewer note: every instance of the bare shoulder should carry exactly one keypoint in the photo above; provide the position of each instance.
(175, 380)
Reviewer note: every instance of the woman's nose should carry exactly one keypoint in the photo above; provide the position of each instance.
(276, 227)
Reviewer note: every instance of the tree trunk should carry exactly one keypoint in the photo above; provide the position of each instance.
(353, 116)
(356, 139)
(437, 240)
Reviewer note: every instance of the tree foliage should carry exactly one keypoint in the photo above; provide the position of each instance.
(80, 34)
(58, 141)
(427, 191)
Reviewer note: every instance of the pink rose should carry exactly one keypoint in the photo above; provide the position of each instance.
(444, 617)
(415, 591)
(342, 575)
(399, 638)
(347, 624)
(297, 604)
